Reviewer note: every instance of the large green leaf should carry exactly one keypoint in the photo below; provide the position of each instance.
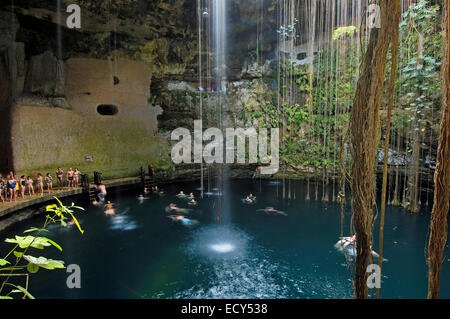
(44, 262)
(35, 242)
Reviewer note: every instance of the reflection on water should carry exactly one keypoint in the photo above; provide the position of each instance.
(236, 267)
(122, 221)
(222, 248)
(218, 242)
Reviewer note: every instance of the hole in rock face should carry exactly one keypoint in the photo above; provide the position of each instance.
(116, 80)
(107, 109)
(302, 56)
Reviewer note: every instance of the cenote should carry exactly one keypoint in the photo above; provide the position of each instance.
(138, 93)
(140, 253)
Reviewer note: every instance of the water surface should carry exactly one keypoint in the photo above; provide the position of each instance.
(140, 253)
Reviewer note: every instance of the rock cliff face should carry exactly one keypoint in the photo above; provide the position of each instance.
(43, 83)
(88, 136)
(54, 78)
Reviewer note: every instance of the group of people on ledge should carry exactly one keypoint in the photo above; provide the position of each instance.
(12, 187)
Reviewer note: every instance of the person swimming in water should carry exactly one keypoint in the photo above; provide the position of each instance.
(109, 208)
(272, 211)
(192, 202)
(350, 243)
(181, 219)
(247, 200)
(175, 208)
(181, 194)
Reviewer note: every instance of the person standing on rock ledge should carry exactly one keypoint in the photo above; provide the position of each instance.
(49, 182)
(151, 171)
(59, 177)
(70, 178)
(12, 187)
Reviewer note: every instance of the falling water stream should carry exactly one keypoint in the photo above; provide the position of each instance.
(219, 35)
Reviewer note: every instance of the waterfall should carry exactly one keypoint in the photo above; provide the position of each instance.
(220, 30)
(219, 36)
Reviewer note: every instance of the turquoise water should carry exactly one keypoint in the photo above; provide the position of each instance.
(140, 253)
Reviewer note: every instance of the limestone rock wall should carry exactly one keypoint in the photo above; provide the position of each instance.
(45, 137)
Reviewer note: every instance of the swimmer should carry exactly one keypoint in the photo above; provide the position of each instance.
(350, 243)
(181, 194)
(179, 218)
(141, 197)
(110, 212)
(71, 222)
(174, 208)
(109, 208)
(146, 191)
(344, 242)
(191, 196)
(273, 211)
(192, 202)
(247, 200)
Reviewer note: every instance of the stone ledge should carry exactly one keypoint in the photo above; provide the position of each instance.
(7, 208)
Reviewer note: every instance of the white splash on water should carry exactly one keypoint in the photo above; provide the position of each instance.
(222, 248)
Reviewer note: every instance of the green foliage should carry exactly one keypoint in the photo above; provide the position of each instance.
(420, 79)
(32, 264)
(342, 32)
(314, 133)
(423, 15)
(31, 241)
(419, 86)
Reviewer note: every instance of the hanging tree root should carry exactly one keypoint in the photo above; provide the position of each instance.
(438, 225)
(364, 126)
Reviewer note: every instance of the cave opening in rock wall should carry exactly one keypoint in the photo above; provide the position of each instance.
(107, 109)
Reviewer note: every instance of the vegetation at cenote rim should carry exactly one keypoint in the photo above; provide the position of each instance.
(420, 85)
(318, 137)
(18, 263)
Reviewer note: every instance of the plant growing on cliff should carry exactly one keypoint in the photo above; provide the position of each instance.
(420, 83)
(25, 264)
